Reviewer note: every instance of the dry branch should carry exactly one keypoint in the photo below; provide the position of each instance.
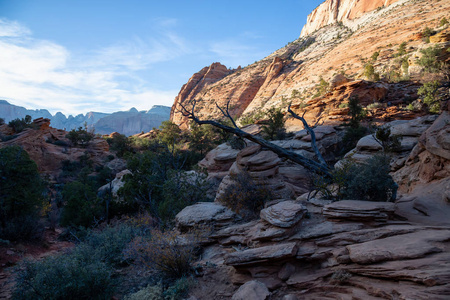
(316, 167)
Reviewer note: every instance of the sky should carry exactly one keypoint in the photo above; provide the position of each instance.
(96, 55)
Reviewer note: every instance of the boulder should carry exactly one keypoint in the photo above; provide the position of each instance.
(257, 256)
(115, 185)
(285, 214)
(358, 210)
(204, 213)
(252, 290)
(368, 143)
(338, 80)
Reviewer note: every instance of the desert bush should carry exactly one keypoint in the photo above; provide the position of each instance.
(429, 60)
(64, 277)
(177, 291)
(22, 194)
(165, 252)
(80, 136)
(81, 205)
(245, 196)
(170, 134)
(108, 244)
(23, 228)
(370, 74)
(375, 55)
(159, 184)
(18, 125)
(120, 144)
(429, 91)
(427, 32)
(401, 49)
(237, 143)
(274, 129)
(61, 143)
(388, 141)
(322, 87)
(443, 22)
(368, 181)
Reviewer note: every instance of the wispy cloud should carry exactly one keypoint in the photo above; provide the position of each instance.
(235, 51)
(43, 74)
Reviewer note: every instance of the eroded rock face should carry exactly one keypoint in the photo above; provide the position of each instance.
(430, 158)
(48, 147)
(333, 11)
(359, 210)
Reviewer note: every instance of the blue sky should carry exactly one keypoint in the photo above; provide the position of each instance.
(79, 56)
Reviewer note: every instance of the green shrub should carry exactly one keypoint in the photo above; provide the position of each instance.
(61, 143)
(164, 252)
(107, 245)
(120, 144)
(177, 291)
(322, 87)
(159, 184)
(80, 136)
(370, 181)
(245, 196)
(427, 32)
(388, 141)
(429, 91)
(429, 60)
(443, 22)
(18, 125)
(375, 55)
(23, 228)
(22, 193)
(401, 49)
(370, 74)
(81, 206)
(274, 129)
(64, 277)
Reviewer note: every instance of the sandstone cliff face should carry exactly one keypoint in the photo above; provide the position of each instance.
(345, 11)
(327, 52)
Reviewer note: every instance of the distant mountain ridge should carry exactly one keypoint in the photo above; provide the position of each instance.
(126, 122)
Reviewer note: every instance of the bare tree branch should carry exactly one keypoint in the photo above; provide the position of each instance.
(311, 132)
(316, 167)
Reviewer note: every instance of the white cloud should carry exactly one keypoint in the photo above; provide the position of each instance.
(42, 74)
(12, 29)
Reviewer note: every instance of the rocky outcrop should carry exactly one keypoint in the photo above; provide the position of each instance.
(359, 210)
(334, 11)
(430, 158)
(49, 147)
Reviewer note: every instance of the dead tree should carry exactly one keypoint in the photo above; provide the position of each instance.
(320, 167)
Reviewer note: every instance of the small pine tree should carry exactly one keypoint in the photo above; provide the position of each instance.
(429, 91)
(275, 127)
